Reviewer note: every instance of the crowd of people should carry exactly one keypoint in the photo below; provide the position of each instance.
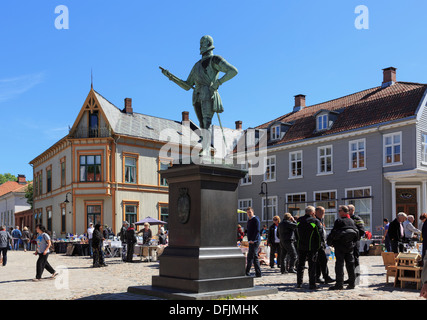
(13, 239)
(297, 241)
(293, 241)
(401, 231)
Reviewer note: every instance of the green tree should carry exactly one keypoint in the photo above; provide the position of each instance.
(7, 177)
(29, 194)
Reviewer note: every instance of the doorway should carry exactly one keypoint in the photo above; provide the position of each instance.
(406, 201)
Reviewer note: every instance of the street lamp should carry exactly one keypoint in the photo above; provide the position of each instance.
(66, 198)
(262, 194)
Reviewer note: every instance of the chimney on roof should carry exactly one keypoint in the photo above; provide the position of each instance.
(238, 125)
(185, 118)
(21, 179)
(299, 102)
(128, 106)
(389, 77)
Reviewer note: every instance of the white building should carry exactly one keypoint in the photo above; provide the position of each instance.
(12, 199)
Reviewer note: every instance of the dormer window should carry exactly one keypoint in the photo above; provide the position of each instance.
(322, 122)
(275, 132)
(325, 119)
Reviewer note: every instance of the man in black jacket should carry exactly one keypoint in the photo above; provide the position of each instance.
(254, 238)
(343, 238)
(286, 234)
(309, 238)
(130, 242)
(396, 232)
(97, 240)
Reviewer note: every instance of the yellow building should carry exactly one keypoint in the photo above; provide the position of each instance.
(106, 169)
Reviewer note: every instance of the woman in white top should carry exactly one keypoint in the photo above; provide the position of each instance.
(43, 245)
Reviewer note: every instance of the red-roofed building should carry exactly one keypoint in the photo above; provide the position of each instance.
(12, 200)
(368, 149)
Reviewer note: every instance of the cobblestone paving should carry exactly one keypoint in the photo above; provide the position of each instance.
(78, 280)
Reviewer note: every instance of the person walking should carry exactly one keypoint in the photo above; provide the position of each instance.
(360, 225)
(396, 232)
(286, 233)
(386, 237)
(42, 251)
(90, 237)
(343, 238)
(16, 238)
(254, 238)
(122, 237)
(130, 242)
(5, 239)
(97, 240)
(26, 237)
(274, 242)
(322, 259)
(309, 239)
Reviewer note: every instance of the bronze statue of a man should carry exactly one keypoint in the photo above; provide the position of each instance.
(204, 79)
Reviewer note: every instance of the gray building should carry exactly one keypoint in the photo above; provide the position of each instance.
(368, 149)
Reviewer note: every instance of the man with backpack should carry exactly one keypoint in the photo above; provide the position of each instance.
(309, 239)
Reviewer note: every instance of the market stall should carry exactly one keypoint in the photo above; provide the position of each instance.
(72, 245)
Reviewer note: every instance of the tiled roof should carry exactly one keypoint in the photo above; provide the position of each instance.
(358, 110)
(11, 186)
(142, 125)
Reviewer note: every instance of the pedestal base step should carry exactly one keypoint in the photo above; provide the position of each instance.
(173, 294)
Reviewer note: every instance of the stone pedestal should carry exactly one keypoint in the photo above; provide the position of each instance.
(202, 255)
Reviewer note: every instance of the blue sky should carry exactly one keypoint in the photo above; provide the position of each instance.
(281, 48)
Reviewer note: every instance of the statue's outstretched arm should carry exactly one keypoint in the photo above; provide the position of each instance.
(186, 85)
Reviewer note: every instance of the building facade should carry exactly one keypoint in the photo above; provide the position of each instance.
(12, 200)
(106, 169)
(368, 149)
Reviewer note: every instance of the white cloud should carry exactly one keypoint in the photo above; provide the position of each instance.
(13, 87)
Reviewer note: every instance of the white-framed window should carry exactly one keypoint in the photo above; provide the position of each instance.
(322, 122)
(270, 169)
(357, 154)
(328, 200)
(424, 147)
(271, 205)
(243, 204)
(392, 148)
(275, 132)
(324, 156)
(295, 164)
(362, 200)
(247, 180)
(296, 203)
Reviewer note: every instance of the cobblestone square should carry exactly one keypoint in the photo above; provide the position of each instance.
(78, 280)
